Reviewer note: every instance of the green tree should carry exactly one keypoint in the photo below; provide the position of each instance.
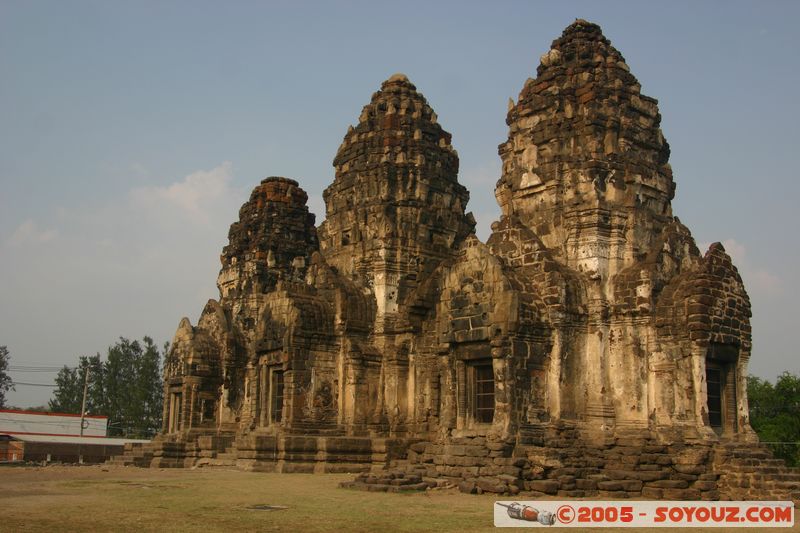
(150, 388)
(122, 379)
(95, 396)
(68, 396)
(69, 391)
(775, 414)
(5, 380)
(127, 388)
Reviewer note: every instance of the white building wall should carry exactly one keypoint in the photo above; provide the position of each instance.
(25, 422)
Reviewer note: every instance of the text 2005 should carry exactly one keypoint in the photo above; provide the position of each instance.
(605, 514)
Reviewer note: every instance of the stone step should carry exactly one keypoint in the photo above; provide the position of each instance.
(741, 461)
(212, 463)
(530, 440)
(756, 453)
(380, 487)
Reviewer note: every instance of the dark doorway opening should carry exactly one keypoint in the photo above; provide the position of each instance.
(714, 387)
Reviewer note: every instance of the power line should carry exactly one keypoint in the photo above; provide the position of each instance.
(33, 384)
(35, 365)
(40, 422)
(37, 368)
(26, 370)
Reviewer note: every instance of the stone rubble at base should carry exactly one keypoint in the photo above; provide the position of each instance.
(587, 348)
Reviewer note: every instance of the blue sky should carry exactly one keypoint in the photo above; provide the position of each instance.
(130, 134)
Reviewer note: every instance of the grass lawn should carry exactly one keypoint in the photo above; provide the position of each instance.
(95, 498)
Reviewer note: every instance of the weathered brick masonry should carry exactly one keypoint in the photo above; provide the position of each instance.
(587, 348)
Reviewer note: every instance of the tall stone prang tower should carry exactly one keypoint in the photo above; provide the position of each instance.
(395, 209)
(585, 165)
(585, 170)
(586, 349)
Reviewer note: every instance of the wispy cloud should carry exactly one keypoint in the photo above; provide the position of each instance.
(194, 195)
(29, 233)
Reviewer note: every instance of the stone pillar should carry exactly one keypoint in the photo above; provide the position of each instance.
(192, 406)
(289, 391)
(448, 412)
(165, 410)
(661, 389)
(742, 408)
(699, 391)
(342, 415)
(553, 405)
(503, 388)
(262, 395)
(376, 416)
(598, 409)
(412, 402)
(461, 395)
(356, 404)
(250, 403)
(296, 385)
(627, 364)
(395, 377)
(184, 403)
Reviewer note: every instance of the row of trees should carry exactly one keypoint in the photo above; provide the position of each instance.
(127, 387)
(775, 414)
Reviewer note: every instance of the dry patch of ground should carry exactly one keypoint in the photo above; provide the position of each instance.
(95, 498)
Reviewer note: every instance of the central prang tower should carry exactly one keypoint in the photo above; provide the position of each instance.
(585, 164)
(395, 209)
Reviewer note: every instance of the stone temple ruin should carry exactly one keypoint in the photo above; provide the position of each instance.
(587, 348)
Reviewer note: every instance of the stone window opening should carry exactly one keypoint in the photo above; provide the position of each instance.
(481, 392)
(721, 388)
(270, 395)
(208, 409)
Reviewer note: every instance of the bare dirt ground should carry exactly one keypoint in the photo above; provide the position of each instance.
(106, 498)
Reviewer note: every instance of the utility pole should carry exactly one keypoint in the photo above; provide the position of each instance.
(83, 410)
